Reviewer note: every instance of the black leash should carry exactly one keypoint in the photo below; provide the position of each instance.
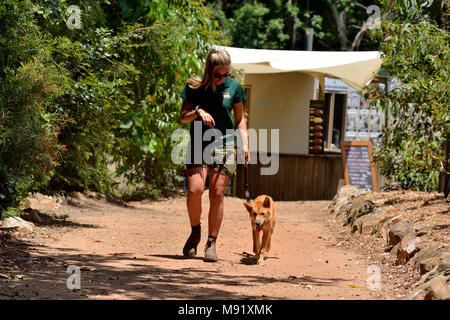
(247, 193)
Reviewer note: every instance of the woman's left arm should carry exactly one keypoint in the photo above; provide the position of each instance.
(241, 125)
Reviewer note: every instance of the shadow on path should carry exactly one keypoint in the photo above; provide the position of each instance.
(28, 272)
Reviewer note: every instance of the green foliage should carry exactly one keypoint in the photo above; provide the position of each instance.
(283, 24)
(251, 28)
(142, 142)
(10, 212)
(29, 82)
(416, 52)
(124, 102)
(100, 89)
(73, 101)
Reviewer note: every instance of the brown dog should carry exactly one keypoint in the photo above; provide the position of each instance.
(262, 214)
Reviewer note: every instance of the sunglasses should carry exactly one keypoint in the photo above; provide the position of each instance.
(220, 76)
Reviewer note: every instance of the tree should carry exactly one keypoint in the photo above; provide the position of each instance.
(268, 24)
(30, 81)
(350, 17)
(337, 25)
(415, 47)
(73, 100)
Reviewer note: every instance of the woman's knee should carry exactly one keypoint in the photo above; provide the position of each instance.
(217, 193)
(196, 182)
(195, 191)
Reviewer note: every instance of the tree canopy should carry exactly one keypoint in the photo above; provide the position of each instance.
(337, 25)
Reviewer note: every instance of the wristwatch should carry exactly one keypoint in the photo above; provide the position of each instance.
(196, 111)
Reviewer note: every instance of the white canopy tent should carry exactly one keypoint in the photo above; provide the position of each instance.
(355, 68)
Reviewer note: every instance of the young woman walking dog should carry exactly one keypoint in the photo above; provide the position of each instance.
(208, 103)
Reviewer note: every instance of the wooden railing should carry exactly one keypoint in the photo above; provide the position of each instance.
(299, 177)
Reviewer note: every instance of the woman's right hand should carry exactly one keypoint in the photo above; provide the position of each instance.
(206, 118)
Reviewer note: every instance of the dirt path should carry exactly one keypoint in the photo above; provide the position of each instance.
(135, 252)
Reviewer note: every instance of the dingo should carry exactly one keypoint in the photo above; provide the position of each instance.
(262, 214)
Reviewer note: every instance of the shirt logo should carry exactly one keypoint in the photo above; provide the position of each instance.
(226, 95)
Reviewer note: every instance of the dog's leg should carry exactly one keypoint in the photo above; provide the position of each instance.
(256, 242)
(265, 247)
(269, 237)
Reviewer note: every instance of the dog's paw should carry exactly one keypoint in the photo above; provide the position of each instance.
(260, 260)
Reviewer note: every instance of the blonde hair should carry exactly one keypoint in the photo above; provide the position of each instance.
(216, 58)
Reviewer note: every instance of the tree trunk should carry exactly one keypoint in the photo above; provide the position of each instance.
(339, 18)
(357, 41)
(293, 28)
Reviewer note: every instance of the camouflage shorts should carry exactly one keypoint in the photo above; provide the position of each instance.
(222, 160)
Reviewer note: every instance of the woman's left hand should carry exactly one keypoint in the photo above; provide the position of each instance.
(246, 155)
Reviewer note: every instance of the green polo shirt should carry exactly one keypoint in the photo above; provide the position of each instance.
(218, 104)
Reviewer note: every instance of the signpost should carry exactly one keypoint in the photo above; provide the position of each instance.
(358, 164)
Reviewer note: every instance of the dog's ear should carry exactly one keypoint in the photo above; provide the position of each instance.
(248, 206)
(266, 203)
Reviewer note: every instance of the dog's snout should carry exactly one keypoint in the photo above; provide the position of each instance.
(259, 223)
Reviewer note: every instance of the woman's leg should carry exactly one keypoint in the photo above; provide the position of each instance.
(217, 184)
(195, 185)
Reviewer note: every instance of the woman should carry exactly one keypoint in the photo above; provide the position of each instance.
(207, 103)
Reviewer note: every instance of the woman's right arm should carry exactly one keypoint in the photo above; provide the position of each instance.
(188, 114)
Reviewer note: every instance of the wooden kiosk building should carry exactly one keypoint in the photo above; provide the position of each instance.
(313, 99)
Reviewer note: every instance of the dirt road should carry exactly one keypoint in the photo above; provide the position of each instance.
(135, 252)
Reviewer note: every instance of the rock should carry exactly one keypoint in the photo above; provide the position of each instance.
(343, 208)
(31, 215)
(361, 207)
(19, 224)
(427, 253)
(342, 197)
(429, 264)
(422, 233)
(444, 264)
(357, 224)
(398, 232)
(40, 202)
(394, 250)
(421, 230)
(77, 195)
(435, 288)
(407, 248)
(94, 195)
(367, 224)
(383, 228)
(113, 199)
(420, 227)
(34, 216)
(441, 263)
(346, 191)
(343, 200)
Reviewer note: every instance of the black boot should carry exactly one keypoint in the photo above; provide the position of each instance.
(190, 248)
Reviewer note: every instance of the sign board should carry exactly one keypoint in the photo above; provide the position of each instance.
(358, 164)
(334, 84)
